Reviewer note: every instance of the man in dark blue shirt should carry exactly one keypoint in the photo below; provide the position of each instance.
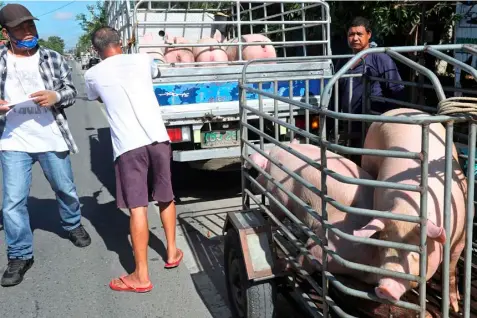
(376, 65)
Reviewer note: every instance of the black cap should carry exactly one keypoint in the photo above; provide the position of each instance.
(14, 14)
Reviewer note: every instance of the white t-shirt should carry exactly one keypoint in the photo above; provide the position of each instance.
(124, 84)
(28, 128)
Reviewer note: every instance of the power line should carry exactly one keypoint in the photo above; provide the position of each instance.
(56, 9)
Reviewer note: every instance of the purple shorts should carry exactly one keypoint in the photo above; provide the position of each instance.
(143, 175)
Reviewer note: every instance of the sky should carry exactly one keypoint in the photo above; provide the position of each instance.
(57, 18)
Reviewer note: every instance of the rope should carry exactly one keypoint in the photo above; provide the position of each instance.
(458, 105)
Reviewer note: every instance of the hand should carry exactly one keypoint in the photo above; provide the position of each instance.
(45, 98)
(3, 109)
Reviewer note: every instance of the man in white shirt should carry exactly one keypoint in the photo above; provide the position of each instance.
(33, 131)
(141, 146)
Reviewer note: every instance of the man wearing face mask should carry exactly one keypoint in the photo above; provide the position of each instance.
(33, 131)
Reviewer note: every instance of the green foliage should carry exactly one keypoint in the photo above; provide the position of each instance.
(54, 43)
(394, 19)
(96, 18)
(1, 35)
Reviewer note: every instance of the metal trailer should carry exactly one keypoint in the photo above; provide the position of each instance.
(257, 243)
(200, 104)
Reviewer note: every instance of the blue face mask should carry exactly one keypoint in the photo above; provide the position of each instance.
(30, 44)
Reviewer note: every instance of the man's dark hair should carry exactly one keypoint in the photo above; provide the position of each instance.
(360, 21)
(105, 37)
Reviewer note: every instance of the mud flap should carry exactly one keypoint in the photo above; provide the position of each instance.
(255, 238)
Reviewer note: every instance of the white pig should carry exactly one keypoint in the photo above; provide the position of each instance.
(253, 51)
(212, 53)
(178, 54)
(407, 171)
(346, 194)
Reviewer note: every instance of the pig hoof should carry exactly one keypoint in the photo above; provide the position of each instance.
(454, 303)
(384, 293)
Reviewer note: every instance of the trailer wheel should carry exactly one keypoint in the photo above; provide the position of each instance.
(247, 299)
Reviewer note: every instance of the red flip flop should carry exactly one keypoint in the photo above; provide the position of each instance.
(128, 287)
(176, 263)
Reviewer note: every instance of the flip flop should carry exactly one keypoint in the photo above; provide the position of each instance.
(176, 263)
(128, 287)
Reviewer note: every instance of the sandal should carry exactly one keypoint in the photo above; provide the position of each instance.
(176, 263)
(129, 288)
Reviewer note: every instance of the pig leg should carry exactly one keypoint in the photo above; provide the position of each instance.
(453, 290)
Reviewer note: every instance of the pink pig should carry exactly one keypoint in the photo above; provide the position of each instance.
(178, 54)
(253, 51)
(346, 194)
(212, 53)
(407, 171)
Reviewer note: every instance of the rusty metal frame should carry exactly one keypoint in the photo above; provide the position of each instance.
(243, 231)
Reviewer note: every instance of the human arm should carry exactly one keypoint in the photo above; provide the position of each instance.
(64, 93)
(389, 71)
(154, 68)
(90, 90)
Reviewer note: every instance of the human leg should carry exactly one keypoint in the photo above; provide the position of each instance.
(57, 169)
(161, 191)
(132, 193)
(16, 168)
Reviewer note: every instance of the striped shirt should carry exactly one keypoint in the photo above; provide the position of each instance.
(56, 76)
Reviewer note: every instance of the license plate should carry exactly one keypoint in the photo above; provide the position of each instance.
(215, 139)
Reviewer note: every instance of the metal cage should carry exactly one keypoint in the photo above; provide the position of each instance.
(451, 112)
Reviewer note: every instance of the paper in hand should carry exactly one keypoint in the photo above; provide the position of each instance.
(25, 102)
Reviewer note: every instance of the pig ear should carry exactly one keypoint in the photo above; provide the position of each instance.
(375, 225)
(436, 232)
(295, 141)
(260, 160)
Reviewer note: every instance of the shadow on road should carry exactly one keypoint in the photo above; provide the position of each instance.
(203, 200)
(203, 186)
(111, 223)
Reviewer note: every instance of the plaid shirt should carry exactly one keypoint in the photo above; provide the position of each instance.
(56, 76)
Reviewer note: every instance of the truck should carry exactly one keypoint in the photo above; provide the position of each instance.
(200, 103)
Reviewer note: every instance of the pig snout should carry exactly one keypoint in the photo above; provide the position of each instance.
(391, 289)
(395, 259)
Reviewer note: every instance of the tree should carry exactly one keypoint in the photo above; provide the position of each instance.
(97, 18)
(1, 35)
(53, 42)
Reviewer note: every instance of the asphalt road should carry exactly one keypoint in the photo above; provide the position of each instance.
(66, 281)
(69, 282)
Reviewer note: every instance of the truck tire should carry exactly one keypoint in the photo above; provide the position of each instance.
(247, 299)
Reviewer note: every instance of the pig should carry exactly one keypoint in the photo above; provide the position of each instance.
(407, 171)
(212, 53)
(346, 194)
(251, 52)
(178, 54)
(158, 57)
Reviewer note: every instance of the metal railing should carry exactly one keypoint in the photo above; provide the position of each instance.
(459, 116)
(256, 16)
